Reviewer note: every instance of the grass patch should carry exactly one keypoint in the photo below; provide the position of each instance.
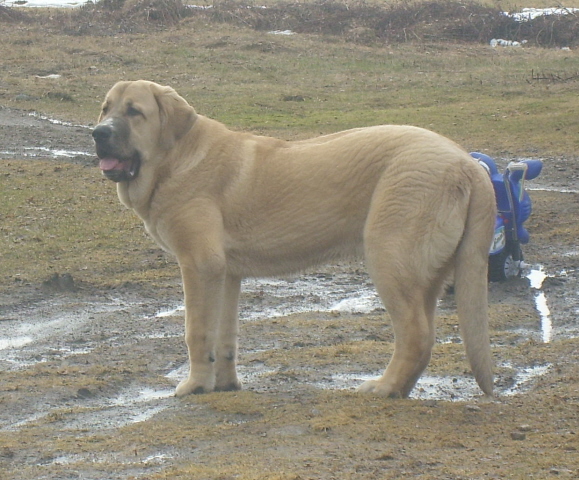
(67, 219)
(482, 97)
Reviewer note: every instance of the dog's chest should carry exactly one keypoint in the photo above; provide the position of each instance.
(151, 229)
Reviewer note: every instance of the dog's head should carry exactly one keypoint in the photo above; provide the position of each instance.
(139, 120)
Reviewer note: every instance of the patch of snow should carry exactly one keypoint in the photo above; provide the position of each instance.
(499, 42)
(527, 14)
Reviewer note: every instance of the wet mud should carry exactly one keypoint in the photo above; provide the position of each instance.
(87, 377)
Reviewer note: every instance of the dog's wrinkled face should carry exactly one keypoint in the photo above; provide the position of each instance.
(123, 112)
(138, 119)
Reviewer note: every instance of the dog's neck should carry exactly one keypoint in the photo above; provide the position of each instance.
(137, 194)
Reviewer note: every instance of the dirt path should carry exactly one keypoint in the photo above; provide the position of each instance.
(27, 135)
(87, 377)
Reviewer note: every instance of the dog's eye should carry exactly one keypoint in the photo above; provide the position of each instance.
(133, 112)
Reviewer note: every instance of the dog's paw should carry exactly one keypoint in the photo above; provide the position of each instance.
(192, 387)
(228, 387)
(226, 380)
(378, 387)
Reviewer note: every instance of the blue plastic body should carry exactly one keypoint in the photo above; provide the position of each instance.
(513, 202)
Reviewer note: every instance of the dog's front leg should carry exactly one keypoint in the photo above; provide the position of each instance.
(203, 285)
(226, 361)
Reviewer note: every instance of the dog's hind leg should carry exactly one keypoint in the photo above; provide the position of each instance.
(411, 309)
(409, 280)
(226, 351)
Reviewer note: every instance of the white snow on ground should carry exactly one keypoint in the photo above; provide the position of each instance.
(45, 3)
(527, 14)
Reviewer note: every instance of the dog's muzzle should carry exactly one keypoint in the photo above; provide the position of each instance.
(116, 167)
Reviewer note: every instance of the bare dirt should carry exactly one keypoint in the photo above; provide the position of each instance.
(87, 374)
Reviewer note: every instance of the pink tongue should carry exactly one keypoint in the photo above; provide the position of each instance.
(110, 164)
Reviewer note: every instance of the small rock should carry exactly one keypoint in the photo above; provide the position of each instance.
(60, 283)
(472, 408)
(294, 98)
(84, 393)
(386, 457)
(518, 436)
(6, 452)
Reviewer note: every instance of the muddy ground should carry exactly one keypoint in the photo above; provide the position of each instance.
(87, 374)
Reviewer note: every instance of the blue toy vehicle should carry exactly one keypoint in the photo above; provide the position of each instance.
(514, 208)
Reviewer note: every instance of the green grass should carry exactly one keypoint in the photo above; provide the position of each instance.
(61, 218)
(460, 91)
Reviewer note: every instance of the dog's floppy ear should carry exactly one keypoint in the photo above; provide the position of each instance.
(177, 116)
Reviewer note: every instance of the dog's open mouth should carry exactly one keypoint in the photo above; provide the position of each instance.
(119, 170)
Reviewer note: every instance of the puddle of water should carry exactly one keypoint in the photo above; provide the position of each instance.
(310, 293)
(247, 373)
(132, 405)
(254, 372)
(158, 459)
(536, 278)
(178, 373)
(17, 335)
(524, 379)
(130, 396)
(527, 14)
(428, 387)
(55, 333)
(14, 342)
(33, 152)
(445, 388)
(551, 189)
(449, 389)
(170, 312)
(363, 304)
(53, 120)
(58, 152)
(150, 461)
(67, 460)
(112, 417)
(545, 313)
(22, 423)
(282, 32)
(142, 416)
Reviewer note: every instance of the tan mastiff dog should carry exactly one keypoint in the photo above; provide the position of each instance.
(413, 204)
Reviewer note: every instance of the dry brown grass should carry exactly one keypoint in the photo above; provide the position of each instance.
(359, 21)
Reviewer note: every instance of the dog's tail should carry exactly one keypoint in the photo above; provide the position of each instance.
(471, 278)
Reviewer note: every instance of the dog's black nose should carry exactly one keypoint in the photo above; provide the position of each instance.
(102, 132)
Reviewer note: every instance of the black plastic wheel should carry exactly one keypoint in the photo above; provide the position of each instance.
(503, 265)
